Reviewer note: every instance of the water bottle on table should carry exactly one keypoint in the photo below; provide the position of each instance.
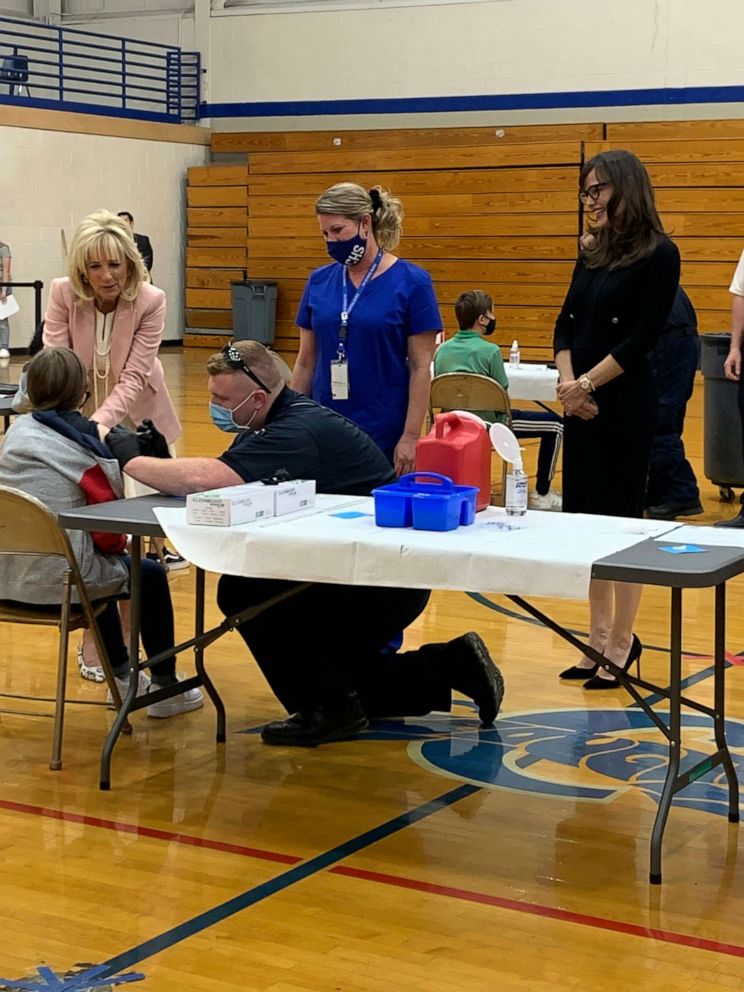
(514, 354)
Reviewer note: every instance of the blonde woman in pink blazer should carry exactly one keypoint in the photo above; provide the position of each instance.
(107, 312)
(112, 318)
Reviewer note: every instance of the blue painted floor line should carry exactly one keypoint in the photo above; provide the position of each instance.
(320, 862)
(269, 888)
(686, 683)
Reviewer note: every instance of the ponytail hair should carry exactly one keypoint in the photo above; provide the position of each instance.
(354, 201)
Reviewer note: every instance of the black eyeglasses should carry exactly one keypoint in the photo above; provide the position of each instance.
(235, 361)
(592, 192)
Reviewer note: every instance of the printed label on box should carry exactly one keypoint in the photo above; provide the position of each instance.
(229, 506)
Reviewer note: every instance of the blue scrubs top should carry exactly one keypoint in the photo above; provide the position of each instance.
(395, 305)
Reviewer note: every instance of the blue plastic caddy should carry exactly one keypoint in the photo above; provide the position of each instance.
(439, 505)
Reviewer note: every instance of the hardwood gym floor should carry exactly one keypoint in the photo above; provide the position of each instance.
(424, 856)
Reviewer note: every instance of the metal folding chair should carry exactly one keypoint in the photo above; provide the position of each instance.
(470, 391)
(28, 527)
(14, 72)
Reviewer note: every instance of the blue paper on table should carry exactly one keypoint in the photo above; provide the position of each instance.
(682, 549)
(351, 514)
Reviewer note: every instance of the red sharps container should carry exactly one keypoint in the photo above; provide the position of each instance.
(460, 448)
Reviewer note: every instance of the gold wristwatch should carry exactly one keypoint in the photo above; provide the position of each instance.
(586, 383)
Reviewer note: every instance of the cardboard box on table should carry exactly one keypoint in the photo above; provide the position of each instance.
(241, 504)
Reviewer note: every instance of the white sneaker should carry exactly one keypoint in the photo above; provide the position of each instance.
(550, 501)
(123, 685)
(4, 353)
(192, 699)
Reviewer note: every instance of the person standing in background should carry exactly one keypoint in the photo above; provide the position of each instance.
(110, 316)
(107, 312)
(368, 322)
(621, 293)
(5, 291)
(672, 489)
(732, 365)
(141, 240)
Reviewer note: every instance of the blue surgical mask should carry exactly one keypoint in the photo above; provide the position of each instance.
(349, 252)
(224, 419)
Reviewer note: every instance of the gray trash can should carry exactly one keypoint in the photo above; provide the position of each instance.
(723, 459)
(254, 310)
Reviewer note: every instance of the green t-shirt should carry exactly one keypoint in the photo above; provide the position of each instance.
(468, 352)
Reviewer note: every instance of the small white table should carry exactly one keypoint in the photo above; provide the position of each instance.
(532, 382)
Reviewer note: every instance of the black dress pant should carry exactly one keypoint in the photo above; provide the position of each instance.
(316, 645)
(674, 361)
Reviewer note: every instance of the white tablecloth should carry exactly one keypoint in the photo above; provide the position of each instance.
(538, 554)
(531, 382)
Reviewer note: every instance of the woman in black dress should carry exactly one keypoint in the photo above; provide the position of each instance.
(621, 292)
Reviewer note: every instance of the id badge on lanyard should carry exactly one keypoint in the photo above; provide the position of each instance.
(340, 365)
(340, 379)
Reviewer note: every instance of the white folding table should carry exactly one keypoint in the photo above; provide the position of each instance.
(539, 554)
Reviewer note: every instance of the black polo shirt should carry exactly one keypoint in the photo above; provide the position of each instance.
(310, 442)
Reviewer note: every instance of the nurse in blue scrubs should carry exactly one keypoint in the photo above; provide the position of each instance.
(368, 323)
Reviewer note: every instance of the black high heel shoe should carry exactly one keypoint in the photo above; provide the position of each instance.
(634, 657)
(574, 672)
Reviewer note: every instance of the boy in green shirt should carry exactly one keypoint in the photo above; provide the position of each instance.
(467, 351)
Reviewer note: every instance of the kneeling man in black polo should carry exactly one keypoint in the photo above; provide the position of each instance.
(324, 651)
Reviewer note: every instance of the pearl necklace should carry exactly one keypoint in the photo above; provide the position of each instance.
(101, 375)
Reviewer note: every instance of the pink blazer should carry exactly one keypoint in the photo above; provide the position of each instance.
(140, 389)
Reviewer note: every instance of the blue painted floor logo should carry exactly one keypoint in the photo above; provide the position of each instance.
(82, 978)
(574, 753)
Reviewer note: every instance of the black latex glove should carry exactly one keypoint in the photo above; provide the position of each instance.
(124, 444)
(151, 441)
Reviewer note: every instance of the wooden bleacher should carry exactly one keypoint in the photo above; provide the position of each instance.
(490, 208)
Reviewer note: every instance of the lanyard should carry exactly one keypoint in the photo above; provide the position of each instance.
(348, 307)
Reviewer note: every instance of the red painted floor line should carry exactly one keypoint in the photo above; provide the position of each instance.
(548, 912)
(728, 656)
(400, 881)
(169, 835)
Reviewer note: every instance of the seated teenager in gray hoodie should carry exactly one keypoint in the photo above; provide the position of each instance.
(54, 453)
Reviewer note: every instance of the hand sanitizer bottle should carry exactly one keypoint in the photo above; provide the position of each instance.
(514, 354)
(516, 490)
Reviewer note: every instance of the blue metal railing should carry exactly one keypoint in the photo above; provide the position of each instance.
(42, 65)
